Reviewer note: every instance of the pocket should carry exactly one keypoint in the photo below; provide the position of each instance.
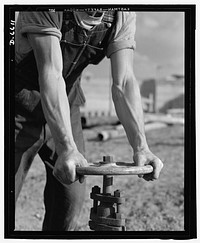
(28, 103)
(28, 99)
(76, 95)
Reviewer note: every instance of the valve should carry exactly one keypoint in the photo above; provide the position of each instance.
(106, 213)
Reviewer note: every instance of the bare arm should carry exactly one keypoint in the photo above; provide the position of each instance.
(55, 102)
(128, 105)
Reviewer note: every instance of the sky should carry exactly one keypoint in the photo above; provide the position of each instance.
(159, 46)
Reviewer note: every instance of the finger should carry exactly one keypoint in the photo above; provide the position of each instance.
(71, 174)
(84, 163)
(157, 166)
(81, 179)
(149, 177)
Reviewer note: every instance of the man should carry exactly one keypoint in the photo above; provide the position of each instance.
(52, 50)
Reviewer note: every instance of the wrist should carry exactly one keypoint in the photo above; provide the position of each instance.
(141, 149)
(140, 144)
(65, 147)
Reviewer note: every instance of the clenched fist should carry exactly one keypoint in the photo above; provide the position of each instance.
(65, 166)
(146, 157)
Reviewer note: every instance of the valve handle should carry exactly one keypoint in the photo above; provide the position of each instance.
(114, 168)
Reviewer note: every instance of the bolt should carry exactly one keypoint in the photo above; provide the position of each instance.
(107, 184)
(107, 180)
(108, 159)
(123, 228)
(95, 190)
(117, 194)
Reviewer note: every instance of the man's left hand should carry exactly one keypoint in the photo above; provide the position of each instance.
(146, 157)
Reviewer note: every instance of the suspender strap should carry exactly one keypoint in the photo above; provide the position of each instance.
(109, 16)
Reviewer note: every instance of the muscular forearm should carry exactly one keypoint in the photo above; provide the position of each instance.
(55, 105)
(56, 109)
(128, 106)
(127, 100)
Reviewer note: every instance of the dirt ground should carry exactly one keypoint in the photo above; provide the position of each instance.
(149, 206)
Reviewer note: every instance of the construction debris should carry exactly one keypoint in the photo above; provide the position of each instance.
(117, 132)
(152, 121)
(167, 119)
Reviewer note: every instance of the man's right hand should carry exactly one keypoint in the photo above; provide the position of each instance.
(65, 166)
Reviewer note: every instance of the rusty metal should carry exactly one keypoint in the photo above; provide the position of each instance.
(106, 212)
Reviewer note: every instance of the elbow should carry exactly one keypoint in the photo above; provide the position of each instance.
(119, 89)
(124, 88)
(124, 83)
(50, 79)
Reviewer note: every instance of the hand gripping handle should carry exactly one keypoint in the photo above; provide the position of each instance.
(114, 168)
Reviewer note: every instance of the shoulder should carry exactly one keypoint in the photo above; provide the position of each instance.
(40, 22)
(126, 16)
(124, 36)
(41, 18)
(48, 23)
(126, 20)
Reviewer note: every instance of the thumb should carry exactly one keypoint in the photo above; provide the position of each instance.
(71, 171)
(81, 179)
(139, 160)
(157, 166)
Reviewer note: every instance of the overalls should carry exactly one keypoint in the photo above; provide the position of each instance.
(79, 47)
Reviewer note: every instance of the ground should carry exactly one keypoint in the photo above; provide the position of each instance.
(149, 206)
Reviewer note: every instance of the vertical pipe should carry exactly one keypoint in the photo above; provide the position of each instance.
(107, 184)
(117, 194)
(95, 190)
(107, 180)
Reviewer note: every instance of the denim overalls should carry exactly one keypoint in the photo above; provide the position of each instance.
(80, 48)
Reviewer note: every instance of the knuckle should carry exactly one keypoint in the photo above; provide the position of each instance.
(156, 176)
